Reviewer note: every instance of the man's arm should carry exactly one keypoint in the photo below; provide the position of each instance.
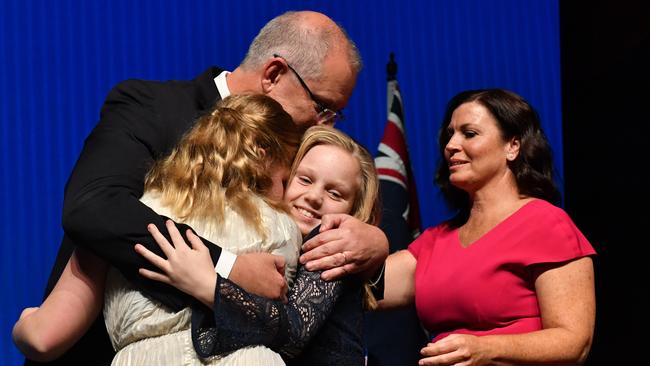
(345, 246)
(101, 210)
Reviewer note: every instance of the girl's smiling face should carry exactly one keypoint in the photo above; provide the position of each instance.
(326, 182)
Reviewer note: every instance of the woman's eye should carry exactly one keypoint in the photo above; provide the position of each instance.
(469, 134)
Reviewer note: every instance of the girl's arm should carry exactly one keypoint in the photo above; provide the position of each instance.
(240, 319)
(189, 269)
(45, 333)
(567, 305)
(399, 285)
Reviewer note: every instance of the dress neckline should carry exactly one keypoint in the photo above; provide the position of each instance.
(492, 230)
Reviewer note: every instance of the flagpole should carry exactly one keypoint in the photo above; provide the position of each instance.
(391, 78)
(395, 338)
(391, 68)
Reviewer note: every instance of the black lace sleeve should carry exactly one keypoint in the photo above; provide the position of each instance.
(241, 319)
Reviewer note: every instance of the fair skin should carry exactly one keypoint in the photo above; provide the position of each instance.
(274, 78)
(322, 185)
(345, 244)
(326, 182)
(478, 158)
(45, 333)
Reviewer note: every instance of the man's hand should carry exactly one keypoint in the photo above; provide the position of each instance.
(345, 245)
(260, 274)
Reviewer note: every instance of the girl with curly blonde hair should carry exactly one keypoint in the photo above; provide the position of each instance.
(225, 179)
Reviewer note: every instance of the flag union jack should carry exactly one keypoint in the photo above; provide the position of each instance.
(394, 167)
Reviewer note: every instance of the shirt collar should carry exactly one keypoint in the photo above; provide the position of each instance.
(222, 86)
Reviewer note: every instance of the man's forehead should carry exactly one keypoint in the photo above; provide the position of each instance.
(335, 89)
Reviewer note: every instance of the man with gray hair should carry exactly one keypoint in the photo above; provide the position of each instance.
(303, 47)
(303, 60)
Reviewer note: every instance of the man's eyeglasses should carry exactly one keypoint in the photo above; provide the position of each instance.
(324, 114)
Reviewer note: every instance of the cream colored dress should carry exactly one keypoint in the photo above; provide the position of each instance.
(144, 332)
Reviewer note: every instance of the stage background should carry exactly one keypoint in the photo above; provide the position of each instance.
(60, 59)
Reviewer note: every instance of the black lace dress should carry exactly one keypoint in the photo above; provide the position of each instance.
(321, 324)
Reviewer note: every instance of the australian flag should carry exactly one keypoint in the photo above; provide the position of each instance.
(395, 337)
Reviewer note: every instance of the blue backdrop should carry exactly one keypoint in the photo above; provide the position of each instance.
(60, 58)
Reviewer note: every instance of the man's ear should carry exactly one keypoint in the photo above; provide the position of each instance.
(274, 70)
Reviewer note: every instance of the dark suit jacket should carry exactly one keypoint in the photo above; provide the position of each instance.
(139, 122)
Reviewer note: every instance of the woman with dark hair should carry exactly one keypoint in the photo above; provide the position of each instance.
(509, 278)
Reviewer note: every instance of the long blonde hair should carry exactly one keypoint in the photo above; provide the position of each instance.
(224, 160)
(366, 206)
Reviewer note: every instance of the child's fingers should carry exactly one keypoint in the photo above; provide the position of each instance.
(163, 243)
(196, 242)
(153, 275)
(152, 257)
(177, 239)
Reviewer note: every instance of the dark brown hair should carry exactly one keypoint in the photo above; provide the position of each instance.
(533, 166)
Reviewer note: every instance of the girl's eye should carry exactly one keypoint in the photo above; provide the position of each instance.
(304, 180)
(335, 195)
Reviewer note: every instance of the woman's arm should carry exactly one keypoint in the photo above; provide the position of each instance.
(45, 333)
(399, 285)
(567, 305)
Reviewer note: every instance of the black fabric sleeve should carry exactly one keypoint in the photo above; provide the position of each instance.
(102, 211)
(241, 319)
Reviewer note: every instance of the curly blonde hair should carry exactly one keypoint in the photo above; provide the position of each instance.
(225, 159)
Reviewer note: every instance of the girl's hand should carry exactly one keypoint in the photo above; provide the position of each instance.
(189, 269)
